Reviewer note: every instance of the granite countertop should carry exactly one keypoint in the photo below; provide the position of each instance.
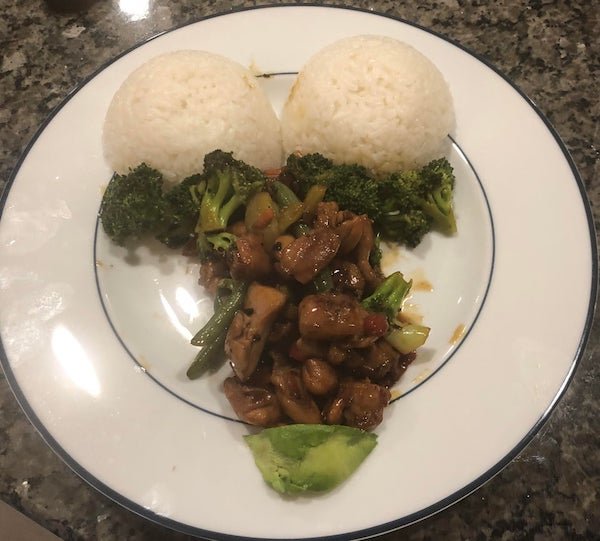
(549, 48)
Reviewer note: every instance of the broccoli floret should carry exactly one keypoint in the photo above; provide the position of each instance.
(394, 206)
(229, 184)
(351, 186)
(414, 202)
(132, 204)
(221, 242)
(389, 296)
(403, 206)
(438, 180)
(181, 211)
(211, 245)
(401, 217)
(305, 169)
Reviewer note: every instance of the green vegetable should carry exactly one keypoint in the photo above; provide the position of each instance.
(376, 253)
(389, 296)
(132, 204)
(224, 289)
(438, 178)
(309, 458)
(212, 335)
(221, 242)
(229, 184)
(408, 338)
(401, 217)
(351, 186)
(285, 197)
(180, 212)
(403, 206)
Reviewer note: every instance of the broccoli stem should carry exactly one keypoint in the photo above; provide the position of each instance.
(212, 335)
(438, 205)
(212, 201)
(285, 197)
(229, 208)
(389, 296)
(408, 338)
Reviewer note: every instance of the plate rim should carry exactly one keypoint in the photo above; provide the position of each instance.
(386, 527)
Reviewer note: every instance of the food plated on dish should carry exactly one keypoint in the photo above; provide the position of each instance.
(291, 253)
(97, 344)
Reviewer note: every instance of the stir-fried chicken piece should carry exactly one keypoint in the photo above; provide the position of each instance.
(295, 400)
(359, 404)
(308, 255)
(397, 369)
(255, 405)
(327, 214)
(356, 242)
(351, 232)
(250, 328)
(347, 277)
(378, 360)
(319, 377)
(330, 316)
(303, 349)
(211, 272)
(249, 260)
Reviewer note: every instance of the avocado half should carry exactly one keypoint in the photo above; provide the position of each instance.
(309, 458)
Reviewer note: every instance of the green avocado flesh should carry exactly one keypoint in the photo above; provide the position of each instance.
(309, 458)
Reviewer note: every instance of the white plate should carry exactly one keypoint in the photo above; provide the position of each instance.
(95, 345)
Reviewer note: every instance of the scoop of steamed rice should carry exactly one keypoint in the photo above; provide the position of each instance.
(370, 100)
(179, 106)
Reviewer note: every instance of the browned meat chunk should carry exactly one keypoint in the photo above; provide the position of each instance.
(281, 243)
(336, 354)
(347, 277)
(211, 272)
(379, 359)
(363, 251)
(254, 405)
(319, 377)
(249, 260)
(330, 316)
(351, 232)
(239, 229)
(250, 327)
(303, 349)
(357, 240)
(293, 396)
(308, 255)
(358, 404)
(327, 214)
(398, 368)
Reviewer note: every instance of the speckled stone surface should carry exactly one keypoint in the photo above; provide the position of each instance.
(549, 48)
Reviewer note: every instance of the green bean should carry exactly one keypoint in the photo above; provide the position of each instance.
(224, 289)
(218, 324)
(283, 195)
(207, 357)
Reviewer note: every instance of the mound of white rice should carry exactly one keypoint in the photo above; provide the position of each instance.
(369, 100)
(179, 106)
